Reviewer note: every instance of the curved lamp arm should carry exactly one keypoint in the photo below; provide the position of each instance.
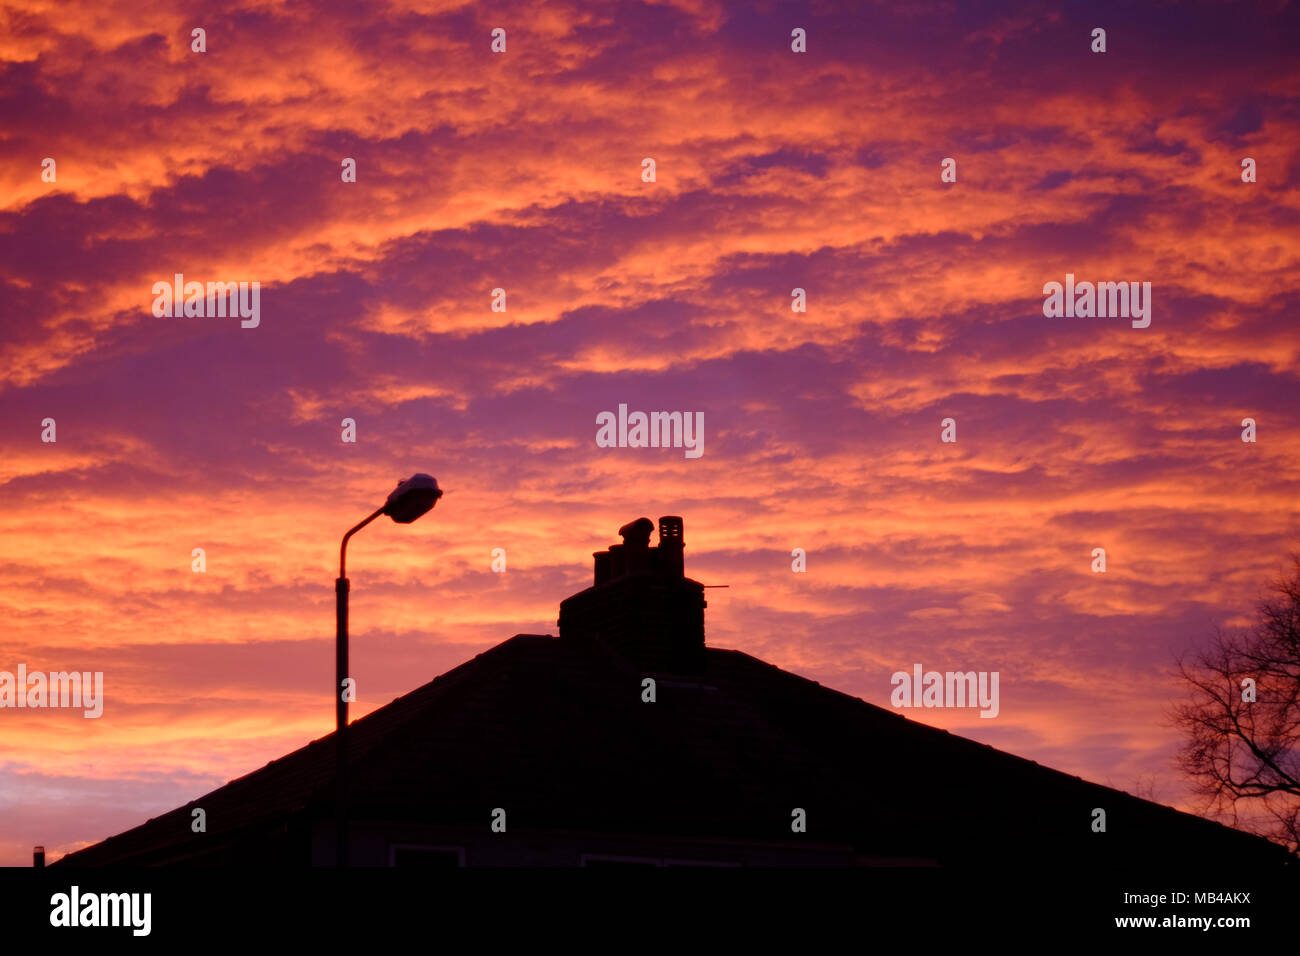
(343, 548)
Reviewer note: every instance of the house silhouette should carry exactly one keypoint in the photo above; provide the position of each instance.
(554, 738)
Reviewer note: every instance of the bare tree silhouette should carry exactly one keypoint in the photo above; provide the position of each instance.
(1242, 722)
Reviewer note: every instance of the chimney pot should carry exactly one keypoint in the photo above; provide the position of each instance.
(636, 534)
(602, 566)
(636, 545)
(671, 546)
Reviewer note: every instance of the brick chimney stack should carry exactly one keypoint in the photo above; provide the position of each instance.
(641, 603)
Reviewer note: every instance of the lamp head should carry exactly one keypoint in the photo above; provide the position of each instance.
(412, 498)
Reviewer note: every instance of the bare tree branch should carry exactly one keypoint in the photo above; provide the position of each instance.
(1243, 755)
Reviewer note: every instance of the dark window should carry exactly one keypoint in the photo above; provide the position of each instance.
(604, 860)
(698, 863)
(412, 856)
(597, 862)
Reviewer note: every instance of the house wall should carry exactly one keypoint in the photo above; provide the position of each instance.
(373, 844)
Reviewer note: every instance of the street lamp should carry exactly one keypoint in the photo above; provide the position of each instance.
(410, 499)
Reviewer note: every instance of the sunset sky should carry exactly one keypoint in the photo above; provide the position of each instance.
(522, 170)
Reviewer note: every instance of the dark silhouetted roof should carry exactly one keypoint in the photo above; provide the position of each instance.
(555, 730)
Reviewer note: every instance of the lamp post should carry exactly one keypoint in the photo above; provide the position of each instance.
(412, 498)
